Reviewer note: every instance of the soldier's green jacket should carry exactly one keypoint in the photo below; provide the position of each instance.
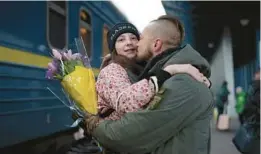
(179, 125)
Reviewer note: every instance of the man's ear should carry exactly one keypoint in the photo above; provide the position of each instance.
(157, 46)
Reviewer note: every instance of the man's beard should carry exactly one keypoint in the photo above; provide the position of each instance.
(145, 57)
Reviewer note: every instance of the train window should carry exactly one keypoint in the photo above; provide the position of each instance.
(105, 49)
(57, 24)
(86, 31)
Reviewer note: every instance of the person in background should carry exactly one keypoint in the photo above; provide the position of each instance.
(252, 106)
(240, 103)
(222, 98)
(249, 135)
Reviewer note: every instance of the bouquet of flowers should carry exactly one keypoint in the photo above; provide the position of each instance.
(77, 79)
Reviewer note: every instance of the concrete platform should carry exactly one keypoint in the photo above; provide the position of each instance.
(221, 142)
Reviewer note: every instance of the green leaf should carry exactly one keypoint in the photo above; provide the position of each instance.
(58, 76)
(69, 66)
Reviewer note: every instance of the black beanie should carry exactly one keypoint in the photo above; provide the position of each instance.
(119, 29)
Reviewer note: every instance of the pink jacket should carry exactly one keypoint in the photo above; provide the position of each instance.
(115, 91)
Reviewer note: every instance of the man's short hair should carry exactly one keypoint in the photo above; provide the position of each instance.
(175, 21)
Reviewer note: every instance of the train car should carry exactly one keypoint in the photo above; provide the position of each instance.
(244, 74)
(28, 31)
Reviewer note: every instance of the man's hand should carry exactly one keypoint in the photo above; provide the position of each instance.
(189, 69)
(207, 81)
(89, 123)
(75, 117)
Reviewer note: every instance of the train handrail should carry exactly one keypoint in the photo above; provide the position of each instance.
(32, 110)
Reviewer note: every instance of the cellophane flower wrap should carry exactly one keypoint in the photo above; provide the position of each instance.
(72, 67)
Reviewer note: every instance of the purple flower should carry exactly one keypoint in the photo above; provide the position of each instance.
(56, 62)
(54, 65)
(66, 54)
(53, 69)
(49, 74)
(76, 56)
(56, 54)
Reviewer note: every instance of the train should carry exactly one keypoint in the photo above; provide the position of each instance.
(28, 32)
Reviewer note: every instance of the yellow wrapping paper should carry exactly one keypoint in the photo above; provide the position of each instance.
(80, 85)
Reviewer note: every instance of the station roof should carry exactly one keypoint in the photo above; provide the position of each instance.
(243, 20)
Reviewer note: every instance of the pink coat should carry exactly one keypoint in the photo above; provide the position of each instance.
(115, 91)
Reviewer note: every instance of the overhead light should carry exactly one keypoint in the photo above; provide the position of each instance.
(210, 45)
(244, 22)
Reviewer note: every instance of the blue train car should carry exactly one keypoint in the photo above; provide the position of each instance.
(27, 32)
(244, 74)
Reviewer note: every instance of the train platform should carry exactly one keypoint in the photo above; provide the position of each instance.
(221, 141)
